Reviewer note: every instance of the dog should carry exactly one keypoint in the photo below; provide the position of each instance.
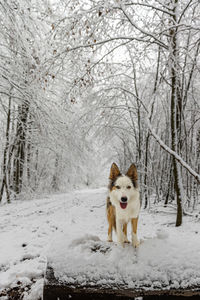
(123, 204)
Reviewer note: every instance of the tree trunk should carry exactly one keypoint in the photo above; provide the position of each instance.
(175, 116)
(5, 155)
(19, 158)
(55, 175)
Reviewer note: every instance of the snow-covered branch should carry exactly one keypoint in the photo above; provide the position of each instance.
(173, 153)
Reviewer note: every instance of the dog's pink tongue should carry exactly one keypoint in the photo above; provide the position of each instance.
(123, 205)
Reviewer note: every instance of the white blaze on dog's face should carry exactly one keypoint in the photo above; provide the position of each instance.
(123, 188)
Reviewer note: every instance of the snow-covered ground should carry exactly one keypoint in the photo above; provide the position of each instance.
(66, 227)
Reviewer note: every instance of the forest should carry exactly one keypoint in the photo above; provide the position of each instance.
(86, 83)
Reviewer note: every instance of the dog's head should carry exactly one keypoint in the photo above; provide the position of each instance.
(123, 188)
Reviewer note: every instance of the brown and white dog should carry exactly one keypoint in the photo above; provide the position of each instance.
(123, 204)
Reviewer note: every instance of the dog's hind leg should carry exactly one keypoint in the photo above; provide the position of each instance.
(111, 226)
(110, 232)
(111, 219)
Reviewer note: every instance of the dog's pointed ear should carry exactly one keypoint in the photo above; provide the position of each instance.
(114, 172)
(132, 173)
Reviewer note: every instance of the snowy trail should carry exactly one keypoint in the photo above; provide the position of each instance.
(27, 229)
(30, 230)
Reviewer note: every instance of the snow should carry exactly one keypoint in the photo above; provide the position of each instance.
(70, 230)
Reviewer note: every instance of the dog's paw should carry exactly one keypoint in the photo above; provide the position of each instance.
(136, 243)
(120, 242)
(109, 240)
(126, 241)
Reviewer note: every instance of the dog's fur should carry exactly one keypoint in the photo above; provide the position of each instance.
(123, 204)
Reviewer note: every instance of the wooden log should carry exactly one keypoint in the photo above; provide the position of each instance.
(55, 289)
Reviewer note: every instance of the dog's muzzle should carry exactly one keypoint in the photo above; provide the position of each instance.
(123, 202)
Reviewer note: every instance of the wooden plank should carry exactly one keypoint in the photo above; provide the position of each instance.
(54, 290)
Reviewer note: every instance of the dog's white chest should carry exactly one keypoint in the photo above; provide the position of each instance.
(130, 212)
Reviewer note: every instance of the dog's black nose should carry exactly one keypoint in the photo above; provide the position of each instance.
(124, 199)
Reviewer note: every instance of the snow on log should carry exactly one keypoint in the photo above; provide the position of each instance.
(90, 268)
(55, 289)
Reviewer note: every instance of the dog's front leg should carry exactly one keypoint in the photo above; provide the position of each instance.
(135, 241)
(120, 234)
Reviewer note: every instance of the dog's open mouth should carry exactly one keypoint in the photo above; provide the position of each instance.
(123, 205)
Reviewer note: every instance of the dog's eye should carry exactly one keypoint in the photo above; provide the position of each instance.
(128, 187)
(117, 187)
